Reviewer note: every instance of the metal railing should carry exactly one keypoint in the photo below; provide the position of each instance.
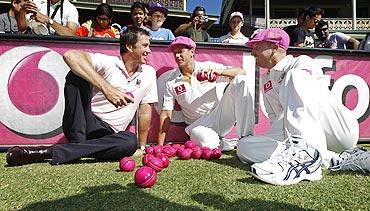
(335, 24)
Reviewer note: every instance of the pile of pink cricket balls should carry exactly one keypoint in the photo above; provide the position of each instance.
(157, 158)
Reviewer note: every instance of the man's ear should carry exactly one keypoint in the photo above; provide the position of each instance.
(129, 47)
(275, 47)
(192, 52)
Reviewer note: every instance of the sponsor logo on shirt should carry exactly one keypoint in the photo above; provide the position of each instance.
(180, 89)
(267, 86)
(138, 82)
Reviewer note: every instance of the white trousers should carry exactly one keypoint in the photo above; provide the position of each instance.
(236, 106)
(309, 111)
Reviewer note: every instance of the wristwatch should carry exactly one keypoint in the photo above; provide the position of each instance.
(50, 22)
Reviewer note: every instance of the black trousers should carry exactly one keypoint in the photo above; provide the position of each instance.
(89, 136)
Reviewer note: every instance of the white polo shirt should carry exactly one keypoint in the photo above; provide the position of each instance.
(70, 13)
(142, 85)
(272, 81)
(196, 98)
(238, 39)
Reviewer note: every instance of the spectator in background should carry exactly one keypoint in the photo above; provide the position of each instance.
(236, 22)
(59, 16)
(336, 40)
(138, 16)
(301, 36)
(15, 21)
(289, 29)
(365, 43)
(157, 16)
(194, 29)
(101, 26)
(146, 18)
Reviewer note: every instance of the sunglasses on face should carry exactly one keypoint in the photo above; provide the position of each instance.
(324, 29)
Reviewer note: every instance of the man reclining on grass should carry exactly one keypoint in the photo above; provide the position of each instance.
(102, 94)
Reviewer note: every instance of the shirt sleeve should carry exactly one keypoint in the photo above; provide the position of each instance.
(298, 35)
(168, 98)
(82, 31)
(102, 63)
(73, 15)
(170, 35)
(151, 95)
(2, 26)
(343, 38)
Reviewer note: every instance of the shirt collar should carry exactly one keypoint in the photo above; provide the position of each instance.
(123, 69)
(282, 65)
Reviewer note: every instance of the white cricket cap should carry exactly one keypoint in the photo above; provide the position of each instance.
(237, 14)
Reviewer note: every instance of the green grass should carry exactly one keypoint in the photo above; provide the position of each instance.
(186, 185)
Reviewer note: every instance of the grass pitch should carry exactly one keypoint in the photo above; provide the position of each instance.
(185, 185)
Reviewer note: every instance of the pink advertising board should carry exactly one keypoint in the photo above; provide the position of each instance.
(32, 80)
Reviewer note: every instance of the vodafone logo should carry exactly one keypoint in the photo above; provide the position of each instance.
(31, 87)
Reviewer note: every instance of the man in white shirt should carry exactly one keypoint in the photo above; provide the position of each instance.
(236, 22)
(59, 16)
(211, 106)
(336, 40)
(102, 94)
(307, 124)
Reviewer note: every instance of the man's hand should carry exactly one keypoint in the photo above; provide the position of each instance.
(28, 7)
(117, 97)
(39, 17)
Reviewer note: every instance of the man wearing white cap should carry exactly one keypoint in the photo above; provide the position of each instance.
(211, 105)
(236, 22)
(307, 124)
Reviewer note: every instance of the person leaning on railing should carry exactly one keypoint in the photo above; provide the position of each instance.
(14, 21)
(55, 17)
(101, 25)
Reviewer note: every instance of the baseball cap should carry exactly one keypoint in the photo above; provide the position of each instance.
(237, 14)
(181, 40)
(273, 35)
(158, 7)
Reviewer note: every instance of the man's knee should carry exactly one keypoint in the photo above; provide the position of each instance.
(204, 137)
(128, 145)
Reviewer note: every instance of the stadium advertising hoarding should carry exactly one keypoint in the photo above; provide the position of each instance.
(32, 81)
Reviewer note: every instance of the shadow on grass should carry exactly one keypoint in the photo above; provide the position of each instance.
(232, 161)
(221, 203)
(110, 197)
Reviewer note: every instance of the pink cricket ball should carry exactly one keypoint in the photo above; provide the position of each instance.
(165, 159)
(169, 151)
(157, 149)
(206, 153)
(189, 144)
(155, 163)
(216, 153)
(197, 153)
(145, 177)
(176, 146)
(146, 158)
(127, 164)
(149, 150)
(202, 76)
(212, 77)
(184, 154)
(129, 94)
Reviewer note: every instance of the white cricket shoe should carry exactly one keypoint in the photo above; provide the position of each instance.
(355, 159)
(228, 144)
(296, 163)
